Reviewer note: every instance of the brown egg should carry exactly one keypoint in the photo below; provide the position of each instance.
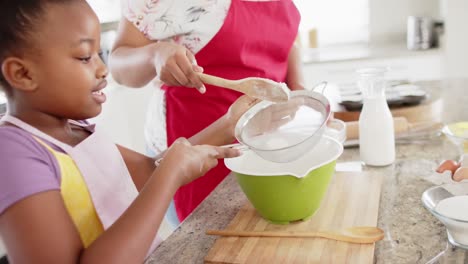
(448, 165)
(460, 174)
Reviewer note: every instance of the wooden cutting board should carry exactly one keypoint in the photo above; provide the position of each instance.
(352, 200)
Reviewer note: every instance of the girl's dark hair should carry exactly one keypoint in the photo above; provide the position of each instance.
(18, 20)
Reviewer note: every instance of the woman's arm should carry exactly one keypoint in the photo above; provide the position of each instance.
(135, 60)
(131, 60)
(221, 132)
(295, 77)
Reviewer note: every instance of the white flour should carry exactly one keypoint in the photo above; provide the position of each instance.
(274, 141)
(455, 207)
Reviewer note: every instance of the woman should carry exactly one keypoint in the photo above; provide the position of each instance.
(171, 41)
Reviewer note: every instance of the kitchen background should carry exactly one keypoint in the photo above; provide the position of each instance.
(335, 42)
(337, 37)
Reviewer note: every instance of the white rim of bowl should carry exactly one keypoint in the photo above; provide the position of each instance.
(448, 132)
(434, 212)
(318, 165)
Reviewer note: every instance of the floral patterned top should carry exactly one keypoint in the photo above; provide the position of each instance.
(191, 23)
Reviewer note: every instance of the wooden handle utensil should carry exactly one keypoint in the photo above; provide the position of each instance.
(357, 234)
(260, 88)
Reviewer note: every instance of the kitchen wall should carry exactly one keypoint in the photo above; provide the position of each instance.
(455, 62)
(124, 113)
(387, 19)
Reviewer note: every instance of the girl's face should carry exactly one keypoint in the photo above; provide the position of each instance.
(66, 64)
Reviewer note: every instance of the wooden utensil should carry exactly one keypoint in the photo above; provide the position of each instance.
(356, 234)
(260, 88)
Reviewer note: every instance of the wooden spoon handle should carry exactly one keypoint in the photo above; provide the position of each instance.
(217, 81)
(260, 233)
(296, 234)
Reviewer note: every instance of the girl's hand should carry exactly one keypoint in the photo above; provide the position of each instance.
(192, 162)
(176, 66)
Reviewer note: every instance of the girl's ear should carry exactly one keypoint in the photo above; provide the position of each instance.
(18, 74)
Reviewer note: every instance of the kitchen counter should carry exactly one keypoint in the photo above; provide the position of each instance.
(412, 234)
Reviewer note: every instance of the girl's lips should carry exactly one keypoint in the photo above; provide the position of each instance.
(99, 97)
(97, 93)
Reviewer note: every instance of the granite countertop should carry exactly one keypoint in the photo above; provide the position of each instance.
(412, 234)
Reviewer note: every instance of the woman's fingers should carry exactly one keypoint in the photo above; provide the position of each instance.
(178, 73)
(176, 66)
(167, 78)
(188, 65)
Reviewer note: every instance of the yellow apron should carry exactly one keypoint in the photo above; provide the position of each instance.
(76, 198)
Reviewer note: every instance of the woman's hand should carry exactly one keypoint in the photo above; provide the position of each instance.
(176, 66)
(191, 162)
(238, 108)
(277, 116)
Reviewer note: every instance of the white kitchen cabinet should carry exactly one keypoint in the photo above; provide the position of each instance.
(412, 66)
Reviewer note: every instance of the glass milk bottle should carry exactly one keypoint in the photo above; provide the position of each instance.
(376, 136)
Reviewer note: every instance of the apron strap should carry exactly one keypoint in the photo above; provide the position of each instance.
(34, 131)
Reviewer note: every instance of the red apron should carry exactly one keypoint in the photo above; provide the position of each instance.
(254, 41)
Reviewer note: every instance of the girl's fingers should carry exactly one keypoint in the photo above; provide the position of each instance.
(226, 153)
(183, 140)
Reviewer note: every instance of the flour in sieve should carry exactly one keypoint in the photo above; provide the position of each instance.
(276, 140)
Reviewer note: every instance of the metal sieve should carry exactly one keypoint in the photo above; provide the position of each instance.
(283, 132)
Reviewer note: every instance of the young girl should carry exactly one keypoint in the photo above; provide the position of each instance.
(67, 194)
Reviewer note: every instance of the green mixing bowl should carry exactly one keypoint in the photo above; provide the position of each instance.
(286, 192)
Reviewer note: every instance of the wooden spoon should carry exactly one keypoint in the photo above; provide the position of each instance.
(356, 234)
(260, 88)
